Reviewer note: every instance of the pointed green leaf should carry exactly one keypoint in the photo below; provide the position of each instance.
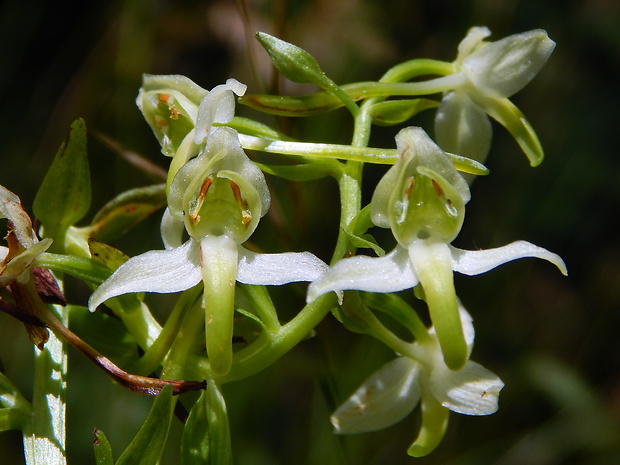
(107, 255)
(15, 412)
(195, 441)
(103, 450)
(147, 446)
(127, 210)
(219, 431)
(357, 229)
(395, 112)
(64, 196)
(365, 241)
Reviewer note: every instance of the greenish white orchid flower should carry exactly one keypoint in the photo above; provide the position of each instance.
(217, 198)
(491, 72)
(174, 106)
(421, 376)
(422, 199)
(181, 114)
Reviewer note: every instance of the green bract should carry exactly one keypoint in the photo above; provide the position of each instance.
(424, 220)
(493, 72)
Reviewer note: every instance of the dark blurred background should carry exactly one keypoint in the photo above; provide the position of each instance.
(553, 340)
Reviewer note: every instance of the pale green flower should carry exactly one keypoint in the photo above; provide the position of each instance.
(174, 106)
(422, 199)
(492, 72)
(217, 198)
(421, 376)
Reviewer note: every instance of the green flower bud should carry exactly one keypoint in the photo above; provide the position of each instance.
(293, 62)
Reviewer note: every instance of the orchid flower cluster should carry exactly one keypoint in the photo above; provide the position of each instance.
(214, 197)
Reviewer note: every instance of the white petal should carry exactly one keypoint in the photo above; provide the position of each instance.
(236, 86)
(463, 127)
(500, 69)
(472, 390)
(474, 37)
(278, 268)
(473, 262)
(467, 324)
(218, 106)
(161, 271)
(390, 273)
(171, 230)
(385, 398)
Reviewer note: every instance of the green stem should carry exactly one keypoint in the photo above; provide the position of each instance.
(154, 355)
(185, 342)
(417, 67)
(45, 435)
(266, 350)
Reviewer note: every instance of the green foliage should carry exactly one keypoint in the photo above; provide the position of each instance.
(195, 445)
(125, 211)
(64, 196)
(147, 446)
(102, 448)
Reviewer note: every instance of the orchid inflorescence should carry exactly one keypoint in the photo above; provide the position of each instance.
(215, 196)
